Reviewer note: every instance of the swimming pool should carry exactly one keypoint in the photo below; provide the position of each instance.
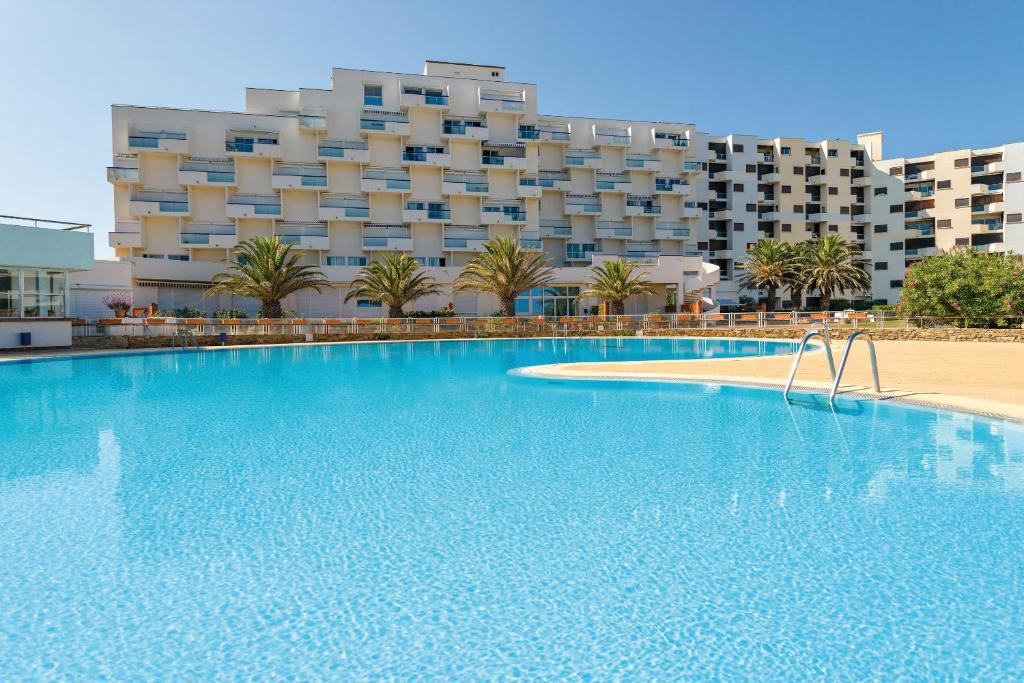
(401, 510)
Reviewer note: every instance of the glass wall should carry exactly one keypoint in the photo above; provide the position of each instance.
(32, 293)
(548, 301)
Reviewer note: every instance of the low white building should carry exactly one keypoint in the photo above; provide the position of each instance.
(36, 259)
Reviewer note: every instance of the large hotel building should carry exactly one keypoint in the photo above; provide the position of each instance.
(434, 164)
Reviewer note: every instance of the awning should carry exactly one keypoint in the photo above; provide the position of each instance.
(708, 301)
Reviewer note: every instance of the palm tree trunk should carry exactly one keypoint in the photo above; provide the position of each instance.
(771, 299)
(618, 307)
(796, 295)
(508, 307)
(826, 300)
(395, 312)
(271, 309)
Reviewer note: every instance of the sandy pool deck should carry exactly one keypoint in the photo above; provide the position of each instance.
(979, 377)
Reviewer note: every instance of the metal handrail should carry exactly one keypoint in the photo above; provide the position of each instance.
(846, 355)
(815, 330)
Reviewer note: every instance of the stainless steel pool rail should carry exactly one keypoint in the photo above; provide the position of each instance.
(846, 356)
(182, 338)
(814, 330)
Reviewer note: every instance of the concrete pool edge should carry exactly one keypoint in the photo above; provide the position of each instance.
(991, 409)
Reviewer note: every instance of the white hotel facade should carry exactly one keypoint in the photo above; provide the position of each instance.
(434, 164)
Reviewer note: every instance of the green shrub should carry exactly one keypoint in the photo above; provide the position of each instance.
(222, 313)
(979, 289)
(430, 314)
(182, 312)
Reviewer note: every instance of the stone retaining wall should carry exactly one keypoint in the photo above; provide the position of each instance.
(894, 334)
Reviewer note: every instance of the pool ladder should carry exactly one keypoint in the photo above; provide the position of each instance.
(182, 339)
(821, 330)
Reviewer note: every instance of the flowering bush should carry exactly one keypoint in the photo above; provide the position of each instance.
(981, 289)
(120, 301)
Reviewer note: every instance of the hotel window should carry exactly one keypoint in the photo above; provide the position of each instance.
(737, 227)
(9, 293)
(784, 151)
(945, 223)
(751, 208)
(42, 294)
(752, 168)
(895, 208)
(881, 228)
(881, 191)
(578, 251)
(844, 172)
(944, 184)
(833, 228)
(346, 260)
(896, 284)
(961, 202)
(431, 261)
(367, 303)
(737, 187)
(786, 189)
(895, 246)
(737, 148)
(798, 170)
(153, 256)
(844, 210)
(961, 163)
(1013, 218)
(798, 208)
(833, 190)
(786, 227)
(373, 95)
(548, 301)
(178, 257)
(881, 265)
(961, 241)
(1013, 177)
(833, 152)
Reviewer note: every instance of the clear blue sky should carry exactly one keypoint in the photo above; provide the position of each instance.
(925, 73)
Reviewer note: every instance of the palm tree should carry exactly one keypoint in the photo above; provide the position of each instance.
(833, 263)
(615, 281)
(266, 270)
(394, 282)
(770, 264)
(505, 270)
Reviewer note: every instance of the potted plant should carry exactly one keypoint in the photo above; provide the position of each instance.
(120, 303)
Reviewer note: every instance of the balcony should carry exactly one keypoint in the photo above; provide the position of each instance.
(354, 151)
(694, 166)
(676, 186)
(502, 213)
(416, 96)
(667, 140)
(691, 210)
(173, 142)
(217, 171)
(311, 236)
(426, 155)
(614, 230)
(579, 251)
(124, 174)
(158, 203)
(583, 158)
(126, 235)
(387, 237)
(529, 188)
(554, 180)
(299, 177)
(991, 167)
(416, 211)
(208, 234)
(643, 162)
(496, 101)
(919, 213)
(611, 136)
(819, 179)
(385, 180)
(766, 157)
(383, 122)
(465, 238)
(470, 129)
(312, 120)
(555, 228)
(670, 230)
(344, 207)
(991, 207)
(464, 183)
(253, 206)
(253, 143)
(774, 177)
(721, 215)
(642, 205)
(613, 182)
(919, 175)
(510, 155)
(986, 188)
(641, 250)
(863, 181)
(545, 131)
(582, 204)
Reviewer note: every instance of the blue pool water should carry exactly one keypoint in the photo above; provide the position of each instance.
(391, 511)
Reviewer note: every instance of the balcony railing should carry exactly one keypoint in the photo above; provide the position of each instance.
(470, 127)
(613, 181)
(472, 182)
(167, 201)
(555, 227)
(379, 120)
(310, 175)
(549, 178)
(393, 179)
(200, 233)
(124, 174)
(613, 230)
(670, 230)
(502, 100)
(341, 149)
(152, 139)
(433, 210)
(614, 136)
(579, 157)
(353, 206)
(673, 139)
(583, 203)
(262, 204)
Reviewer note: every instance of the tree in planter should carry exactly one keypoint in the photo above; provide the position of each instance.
(505, 270)
(771, 265)
(120, 303)
(394, 282)
(265, 269)
(977, 288)
(614, 282)
(830, 264)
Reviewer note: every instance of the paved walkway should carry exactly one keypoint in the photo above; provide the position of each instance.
(974, 376)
